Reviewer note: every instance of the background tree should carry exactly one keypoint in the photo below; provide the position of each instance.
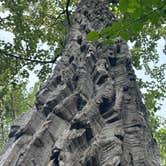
(15, 100)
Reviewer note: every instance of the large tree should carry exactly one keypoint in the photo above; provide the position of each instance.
(90, 111)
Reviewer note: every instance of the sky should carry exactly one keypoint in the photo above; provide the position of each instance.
(140, 74)
(8, 37)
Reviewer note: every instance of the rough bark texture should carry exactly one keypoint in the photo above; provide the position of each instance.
(89, 113)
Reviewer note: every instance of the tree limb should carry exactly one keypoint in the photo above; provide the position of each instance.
(67, 12)
(28, 59)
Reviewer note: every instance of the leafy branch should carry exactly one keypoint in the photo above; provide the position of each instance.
(118, 29)
(67, 12)
(28, 59)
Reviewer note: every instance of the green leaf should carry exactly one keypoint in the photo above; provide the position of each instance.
(93, 36)
(130, 10)
(123, 5)
(106, 31)
(105, 42)
(125, 35)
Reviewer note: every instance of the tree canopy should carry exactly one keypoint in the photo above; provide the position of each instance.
(39, 28)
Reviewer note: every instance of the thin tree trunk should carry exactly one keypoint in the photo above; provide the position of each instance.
(90, 112)
(2, 133)
(12, 107)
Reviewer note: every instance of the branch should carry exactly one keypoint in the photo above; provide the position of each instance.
(113, 1)
(58, 17)
(28, 59)
(67, 12)
(1, 19)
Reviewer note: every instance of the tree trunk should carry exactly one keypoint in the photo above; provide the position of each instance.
(12, 107)
(89, 112)
(2, 133)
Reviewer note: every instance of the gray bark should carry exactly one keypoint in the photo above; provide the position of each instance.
(90, 111)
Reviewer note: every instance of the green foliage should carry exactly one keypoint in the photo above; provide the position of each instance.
(93, 36)
(34, 24)
(135, 15)
(14, 100)
(160, 135)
